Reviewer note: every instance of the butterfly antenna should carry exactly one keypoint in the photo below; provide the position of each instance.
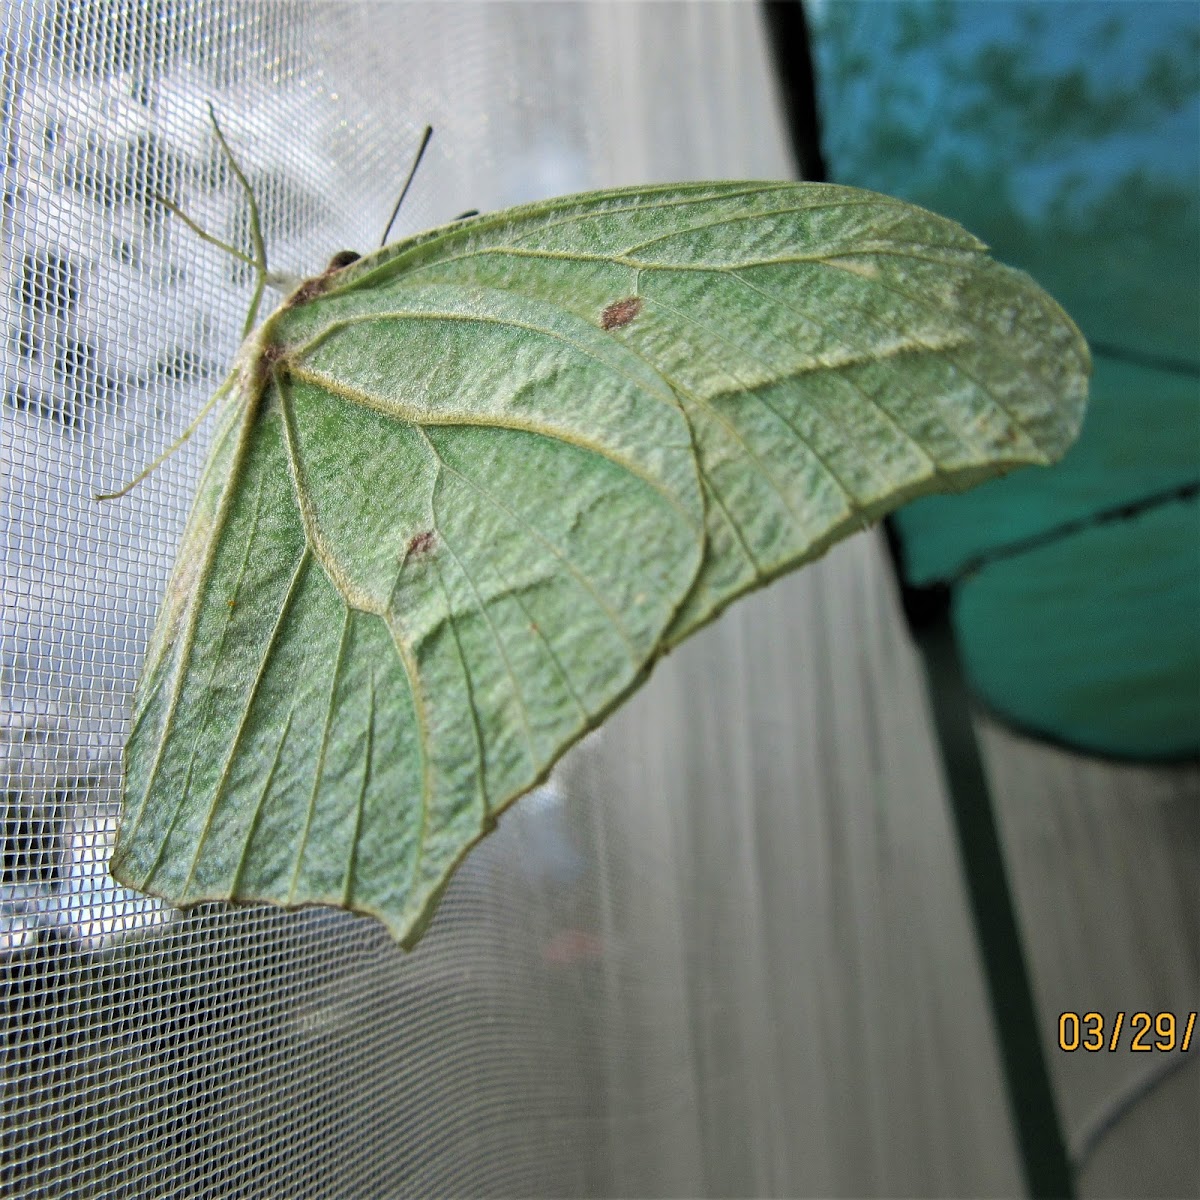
(259, 261)
(407, 183)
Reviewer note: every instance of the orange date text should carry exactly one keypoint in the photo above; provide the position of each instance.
(1141, 1032)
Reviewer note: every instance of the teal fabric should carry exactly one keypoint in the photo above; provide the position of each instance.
(1067, 136)
(1102, 665)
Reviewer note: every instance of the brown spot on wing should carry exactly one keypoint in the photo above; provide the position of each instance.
(620, 312)
(421, 543)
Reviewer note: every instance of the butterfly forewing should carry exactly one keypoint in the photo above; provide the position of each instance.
(836, 351)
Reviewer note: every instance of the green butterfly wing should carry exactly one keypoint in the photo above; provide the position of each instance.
(467, 489)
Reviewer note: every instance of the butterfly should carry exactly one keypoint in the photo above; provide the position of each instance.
(465, 490)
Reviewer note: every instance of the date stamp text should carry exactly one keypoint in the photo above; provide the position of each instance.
(1141, 1032)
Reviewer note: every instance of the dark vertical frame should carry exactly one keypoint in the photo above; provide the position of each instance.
(1045, 1158)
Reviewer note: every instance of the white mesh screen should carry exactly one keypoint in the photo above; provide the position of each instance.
(725, 951)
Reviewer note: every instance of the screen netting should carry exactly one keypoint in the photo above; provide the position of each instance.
(723, 951)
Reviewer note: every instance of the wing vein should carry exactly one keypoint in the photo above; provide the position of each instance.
(585, 583)
(368, 759)
(747, 218)
(756, 393)
(188, 633)
(321, 752)
(957, 429)
(491, 421)
(953, 358)
(212, 671)
(258, 806)
(480, 774)
(223, 778)
(483, 612)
